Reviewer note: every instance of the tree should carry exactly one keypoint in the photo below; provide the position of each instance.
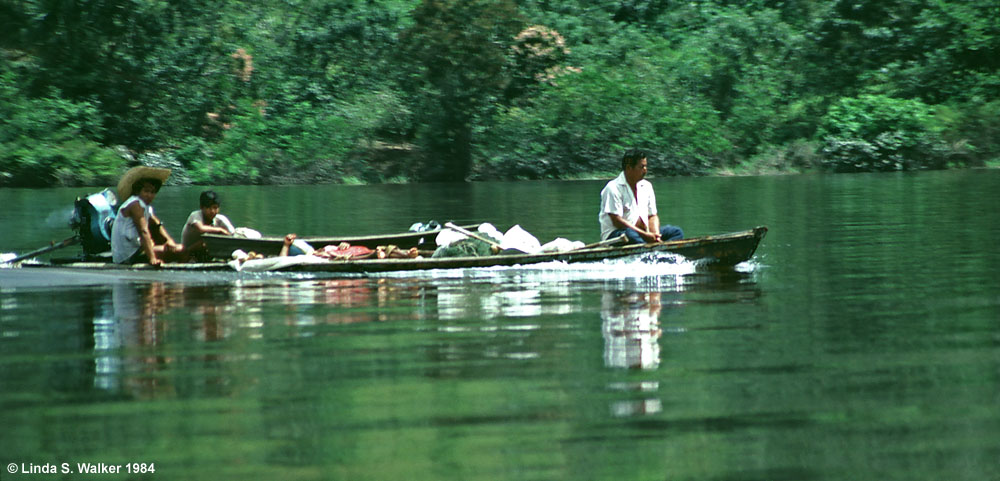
(151, 68)
(747, 64)
(587, 118)
(44, 141)
(873, 133)
(937, 51)
(959, 54)
(458, 50)
(538, 56)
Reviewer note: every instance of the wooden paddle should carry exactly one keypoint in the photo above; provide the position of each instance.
(610, 242)
(65, 243)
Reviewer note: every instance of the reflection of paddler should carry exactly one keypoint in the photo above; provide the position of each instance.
(631, 330)
(137, 329)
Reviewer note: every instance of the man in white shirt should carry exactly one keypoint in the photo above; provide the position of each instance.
(206, 220)
(628, 205)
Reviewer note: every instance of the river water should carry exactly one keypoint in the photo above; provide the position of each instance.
(862, 342)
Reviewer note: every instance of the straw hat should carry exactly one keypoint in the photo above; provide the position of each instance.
(136, 173)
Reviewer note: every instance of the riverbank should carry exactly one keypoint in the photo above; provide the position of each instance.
(395, 165)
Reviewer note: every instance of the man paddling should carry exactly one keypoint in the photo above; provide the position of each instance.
(628, 205)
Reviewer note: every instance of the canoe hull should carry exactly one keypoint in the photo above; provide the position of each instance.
(721, 251)
(725, 250)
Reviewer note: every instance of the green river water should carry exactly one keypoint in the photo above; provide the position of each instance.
(862, 342)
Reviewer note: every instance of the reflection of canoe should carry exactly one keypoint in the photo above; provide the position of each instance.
(718, 250)
(222, 246)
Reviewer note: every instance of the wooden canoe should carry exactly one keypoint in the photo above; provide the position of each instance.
(222, 246)
(725, 250)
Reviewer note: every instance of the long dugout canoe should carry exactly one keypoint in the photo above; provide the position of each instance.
(724, 250)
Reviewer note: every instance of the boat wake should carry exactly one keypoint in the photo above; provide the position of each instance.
(649, 269)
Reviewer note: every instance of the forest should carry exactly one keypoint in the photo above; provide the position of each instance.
(373, 91)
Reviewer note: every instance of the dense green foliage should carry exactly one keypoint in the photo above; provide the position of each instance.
(879, 133)
(409, 90)
(46, 141)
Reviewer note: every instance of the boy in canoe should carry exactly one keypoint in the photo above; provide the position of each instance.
(628, 205)
(137, 234)
(205, 220)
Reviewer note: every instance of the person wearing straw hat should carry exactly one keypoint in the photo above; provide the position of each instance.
(132, 234)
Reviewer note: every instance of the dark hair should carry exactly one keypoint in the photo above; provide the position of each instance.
(137, 185)
(209, 198)
(632, 157)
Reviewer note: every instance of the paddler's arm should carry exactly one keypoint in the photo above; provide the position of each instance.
(170, 243)
(203, 228)
(654, 227)
(134, 211)
(621, 223)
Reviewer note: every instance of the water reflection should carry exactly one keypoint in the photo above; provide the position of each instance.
(631, 326)
(379, 299)
(129, 334)
(498, 299)
(149, 337)
(630, 323)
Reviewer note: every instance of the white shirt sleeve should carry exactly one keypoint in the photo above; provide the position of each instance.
(652, 200)
(223, 221)
(611, 202)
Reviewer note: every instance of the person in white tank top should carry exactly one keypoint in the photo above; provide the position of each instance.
(132, 234)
